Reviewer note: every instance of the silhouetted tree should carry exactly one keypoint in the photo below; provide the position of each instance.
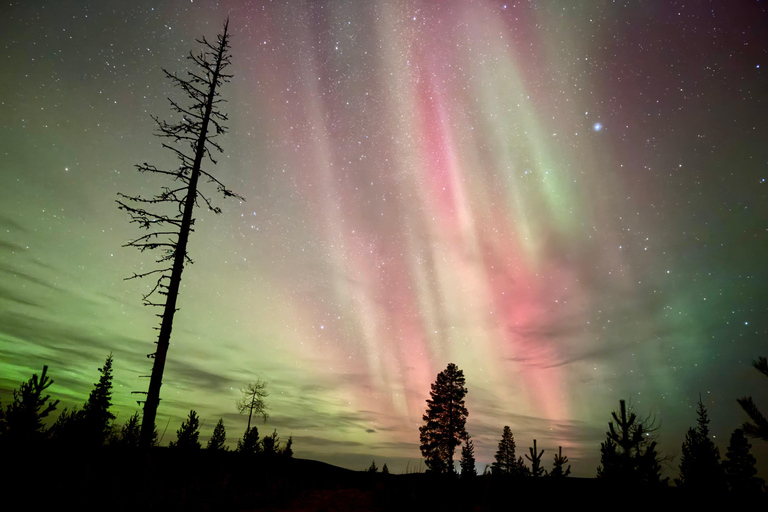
(739, 465)
(536, 469)
(69, 428)
(506, 463)
(288, 450)
(130, 433)
(372, 468)
(253, 402)
(700, 467)
(188, 434)
(467, 462)
(169, 219)
(270, 445)
(24, 416)
(758, 428)
(385, 469)
(628, 454)
(95, 414)
(445, 420)
(560, 462)
(219, 436)
(250, 442)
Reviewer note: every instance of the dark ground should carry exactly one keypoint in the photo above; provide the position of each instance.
(163, 479)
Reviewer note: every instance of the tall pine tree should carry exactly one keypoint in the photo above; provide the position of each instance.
(506, 463)
(219, 436)
(445, 420)
(700, 467)
(96, 416)
(739, 465)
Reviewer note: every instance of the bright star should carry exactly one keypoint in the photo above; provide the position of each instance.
(597, 127)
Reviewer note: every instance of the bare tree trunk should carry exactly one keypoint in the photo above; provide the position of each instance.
(166, 326)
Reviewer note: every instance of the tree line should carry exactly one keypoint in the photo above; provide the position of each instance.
(629, 453)
(23, 421)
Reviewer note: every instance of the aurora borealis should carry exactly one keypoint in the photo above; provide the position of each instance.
(566, 199)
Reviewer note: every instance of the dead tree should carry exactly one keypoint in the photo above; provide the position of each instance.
(167, 216)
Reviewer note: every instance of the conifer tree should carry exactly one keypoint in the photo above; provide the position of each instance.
(288, 450)
(758, 427)
(629, 454)
(130, 432)
(700, 467)
(188, 434)
(24, 416)
(270, 445)
(219, 436)
(385, 469)
(468, 469)
(168, 216)
(739, 465)
(506, 463)
(96, 416)
(373, 468)
(445, 420)
(249, 444)
(536, 469)
(560, 462)
(253, 401)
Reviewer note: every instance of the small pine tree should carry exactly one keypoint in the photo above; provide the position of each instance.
(95, 415)
(130, 433)
(536, 469)
(24, 417)
(505, 464)
(69, 428)
(219, 436)
(560, 462)
(188, 434)
(373, 468)
(249, 444)
(468, 469)
(270, 445)
(385, 469)
(628, 454)
(739, 465)
(288, 450)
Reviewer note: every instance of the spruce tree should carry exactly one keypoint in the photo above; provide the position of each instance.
(739, 465)
(270, 445)
(130, 432)
(560, 462)
(288, 450)
(385, 469)
(24, 416)
(219, 436)
(629, 454)
(249, 444)
(373, 468)
(758, 427)
(468, 469)
(700, 467)
(445, 420)
(506, 464)
(536, 469)
(188, 434)
(96, 416)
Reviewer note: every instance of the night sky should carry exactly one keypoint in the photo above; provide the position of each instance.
(566, 199)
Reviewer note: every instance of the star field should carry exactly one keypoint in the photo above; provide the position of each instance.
(565, 199)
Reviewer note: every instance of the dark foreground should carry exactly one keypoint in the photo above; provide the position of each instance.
(163, 479)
